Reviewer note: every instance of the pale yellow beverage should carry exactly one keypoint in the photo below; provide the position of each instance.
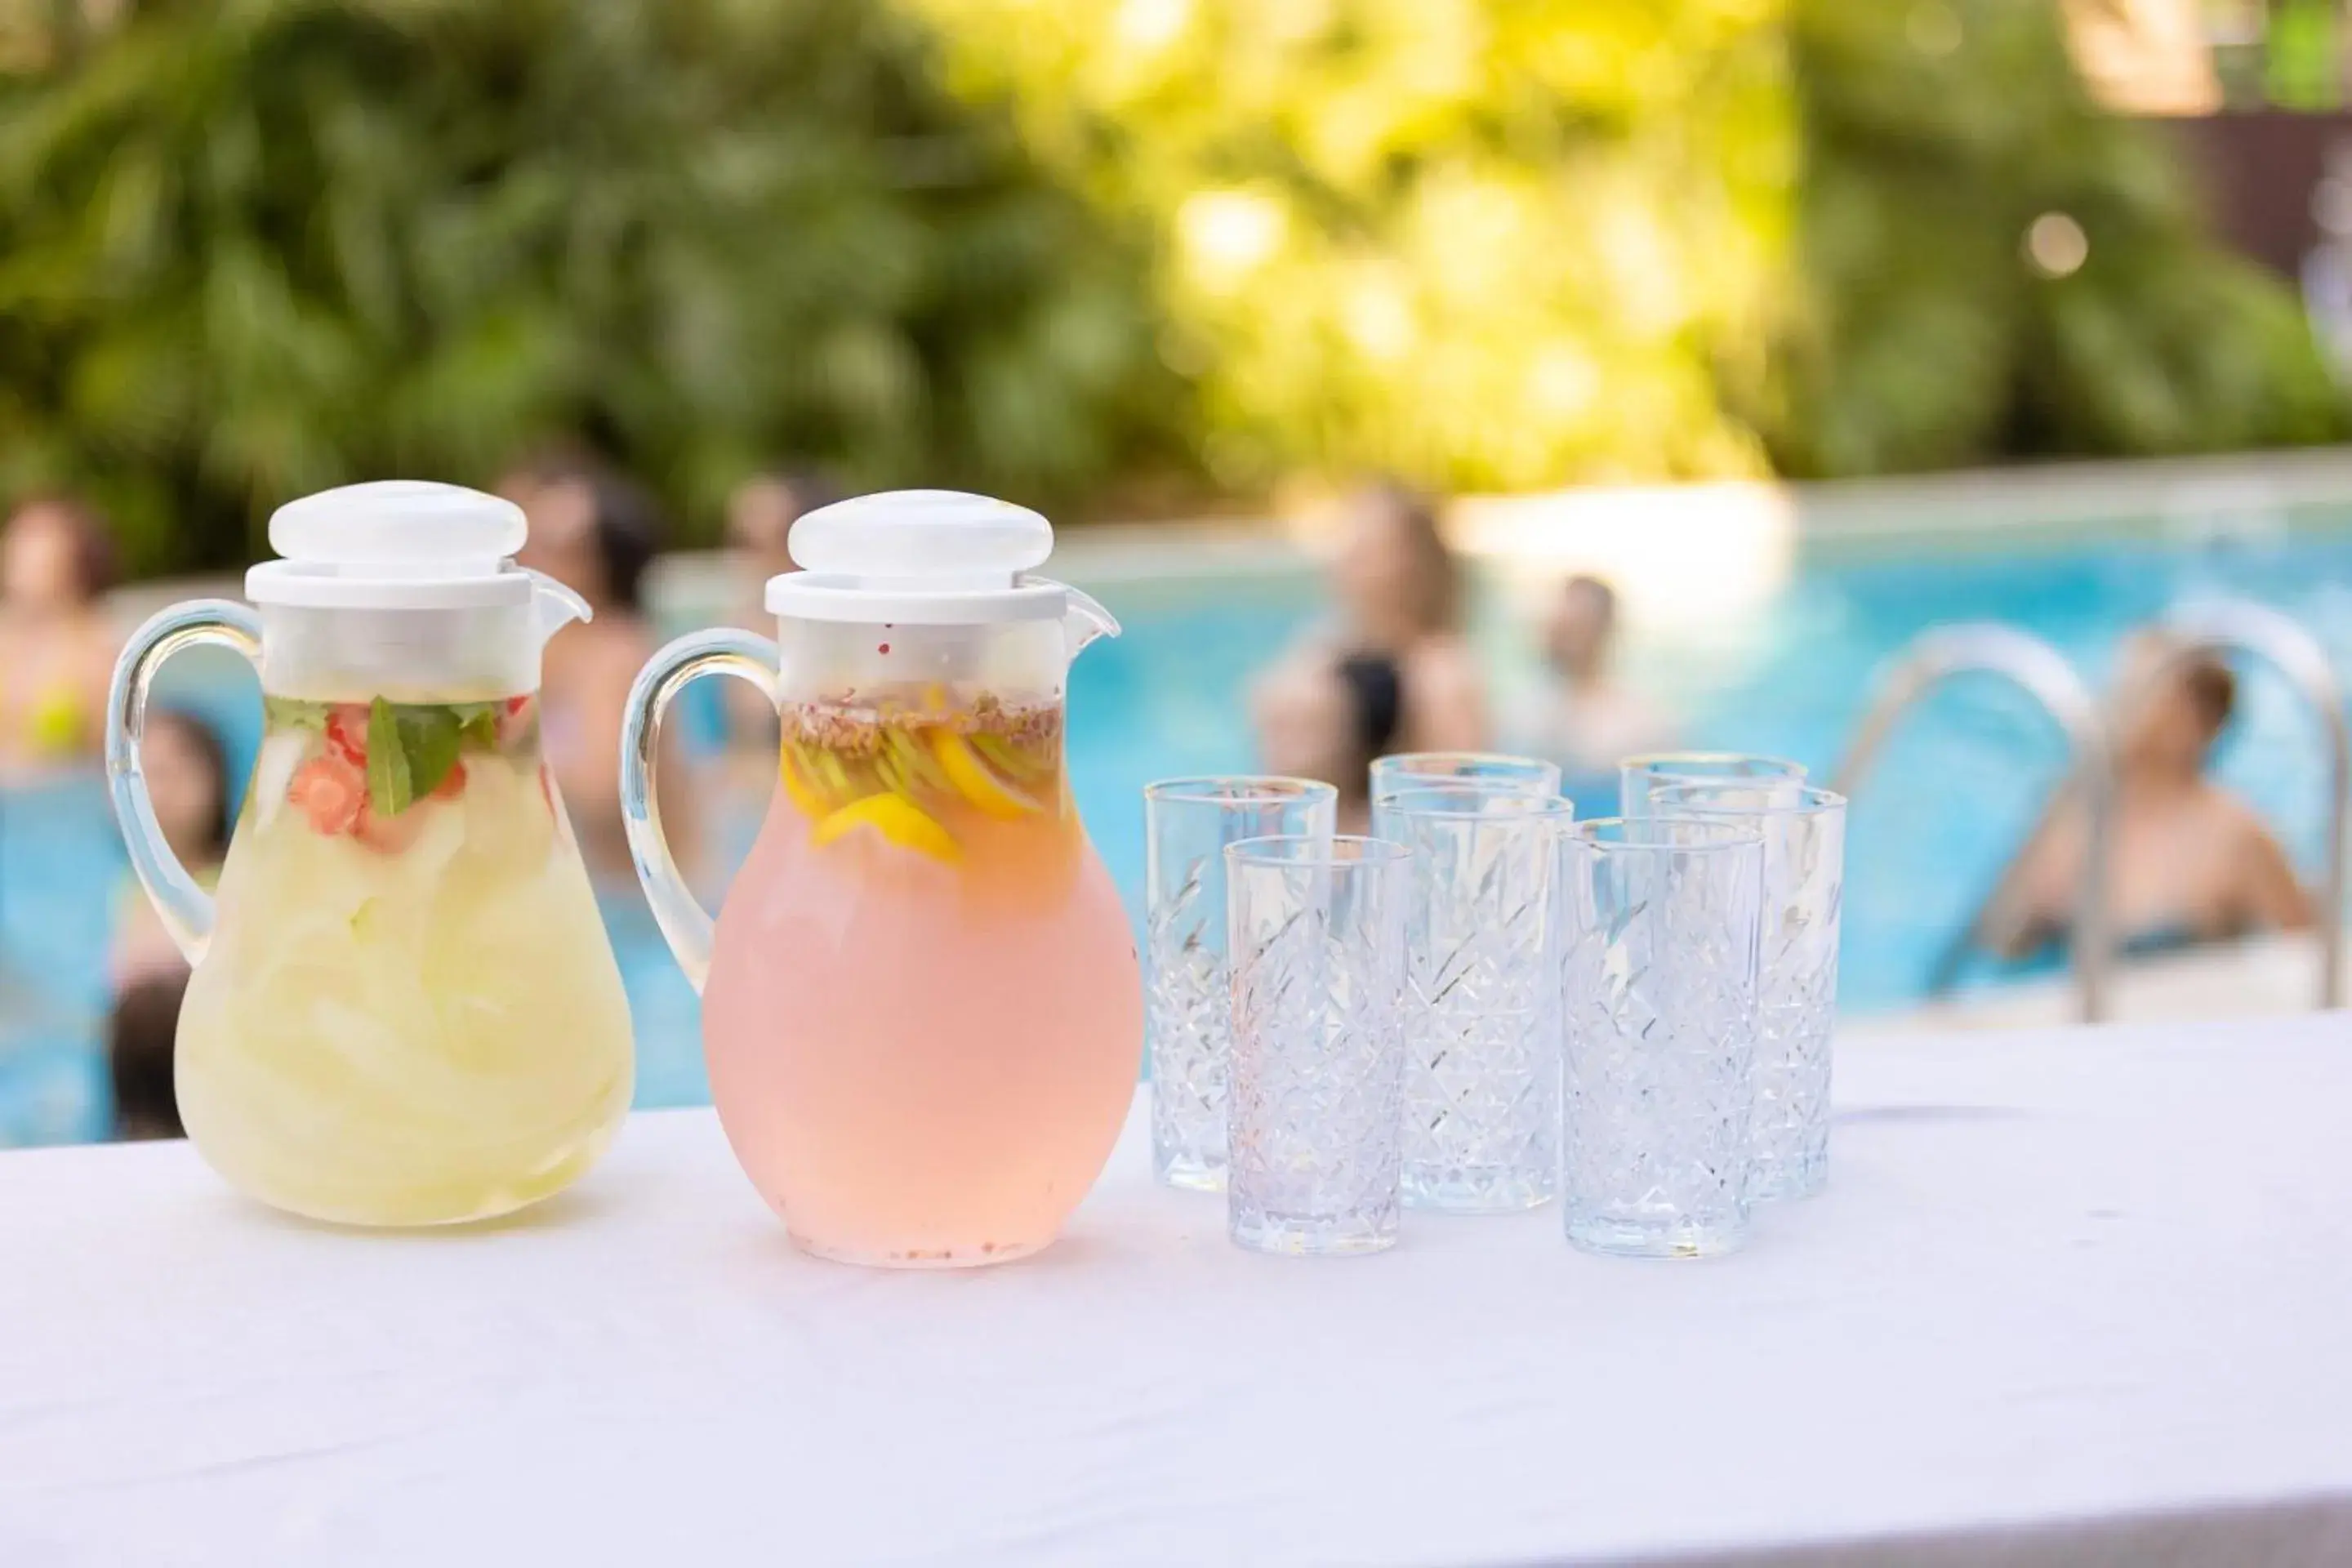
(408, 1014)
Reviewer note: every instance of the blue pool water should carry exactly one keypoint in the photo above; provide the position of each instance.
(1952, 795)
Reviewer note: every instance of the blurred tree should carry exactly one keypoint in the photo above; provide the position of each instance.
(251, 247)
(1485, 243)
(1990, 266)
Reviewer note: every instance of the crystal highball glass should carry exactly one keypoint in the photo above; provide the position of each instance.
(1414, 770)
(1660, 978)
(1483, 994)
(1639, 777)
(1804, 888)
(1187, 991)
(1316, 1118)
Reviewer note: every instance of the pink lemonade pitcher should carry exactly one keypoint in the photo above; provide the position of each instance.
(921, 1009)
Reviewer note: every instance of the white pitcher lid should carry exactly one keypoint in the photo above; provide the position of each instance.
(394, 545)
(919, 557)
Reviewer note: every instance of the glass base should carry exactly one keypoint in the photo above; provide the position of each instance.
(1786, 1184)
(1348, 1238)
(950, 1258)
(1656, 1239)
(1192, 1175)
(1476, 1190)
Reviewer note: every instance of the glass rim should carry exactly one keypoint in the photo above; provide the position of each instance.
(1650, 761)
(1317, 851)
(1471, 803)
(1404, 761)
(1811, 799)
(1721, 835)
(1239, 789)
(1468, 783)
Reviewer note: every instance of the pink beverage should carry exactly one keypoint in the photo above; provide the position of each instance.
(921, 1007)
(923, 1019)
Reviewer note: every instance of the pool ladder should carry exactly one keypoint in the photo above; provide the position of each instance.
(2218, 627)
(2043, 673)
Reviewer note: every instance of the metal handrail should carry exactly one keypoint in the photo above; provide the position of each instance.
(2241, 626)
(2043, 673)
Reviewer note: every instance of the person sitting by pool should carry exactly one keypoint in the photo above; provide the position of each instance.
(57, 644)
(1328, 722)
(1588, 721)
(596, 532)
(759, 518)
(2191, 862)
(140, 1034)
(1400, 599)
(187, 780)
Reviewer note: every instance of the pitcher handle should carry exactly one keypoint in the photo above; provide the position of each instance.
(746, 655)
(185, 907)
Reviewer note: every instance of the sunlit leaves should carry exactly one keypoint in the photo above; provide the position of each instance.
(251, 249)
(1918, 332)
(1477, 242)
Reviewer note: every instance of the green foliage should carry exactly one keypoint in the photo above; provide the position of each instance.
(252, 247)
(1484, 243)
(1048, 247)
(1924, 331)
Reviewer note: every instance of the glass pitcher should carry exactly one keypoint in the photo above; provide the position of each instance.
(922, 1012)
(404, 1010)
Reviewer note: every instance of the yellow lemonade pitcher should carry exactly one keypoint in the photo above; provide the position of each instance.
(404, 1010)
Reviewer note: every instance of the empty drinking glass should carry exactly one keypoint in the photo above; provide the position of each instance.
(1188, 992)
(1663, 916)
(1411, 770)
(1804, 884)
(1638, 777)
(1482, 998)
(1316, 936)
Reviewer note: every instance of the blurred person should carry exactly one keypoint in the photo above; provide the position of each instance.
(596, 532)
(187, 780)
(759, 518)
(1329, 722)
(1588, 721)
(1400, 599)
(57, 644)
(141, 1033)
(2190, 861)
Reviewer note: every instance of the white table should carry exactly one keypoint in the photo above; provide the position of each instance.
(2076, 1297)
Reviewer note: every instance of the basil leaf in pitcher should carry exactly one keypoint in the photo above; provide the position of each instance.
(478, 723)
(388, 785)
(292, 713)
(428, 739)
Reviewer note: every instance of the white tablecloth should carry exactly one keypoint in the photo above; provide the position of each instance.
(2077, 1297)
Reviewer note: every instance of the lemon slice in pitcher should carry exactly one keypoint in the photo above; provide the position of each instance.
(896, 818)
(806, 797)
(976, 782)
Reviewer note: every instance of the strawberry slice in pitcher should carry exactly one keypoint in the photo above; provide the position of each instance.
(516, 716)
(388, 834)
(329, 791)
(346, 729)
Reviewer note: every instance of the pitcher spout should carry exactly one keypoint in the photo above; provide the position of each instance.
(555, 606)
(1086, 620)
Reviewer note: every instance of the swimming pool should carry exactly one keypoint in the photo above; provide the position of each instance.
(1955, 789)
(1953, 793)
